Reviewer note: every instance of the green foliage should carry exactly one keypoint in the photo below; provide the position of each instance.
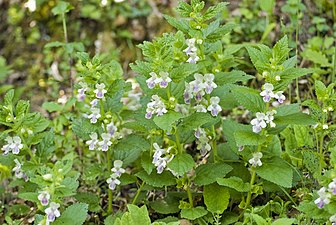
(216, 198)
(75, 214)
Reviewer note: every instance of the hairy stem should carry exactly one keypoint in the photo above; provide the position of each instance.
(249, 195)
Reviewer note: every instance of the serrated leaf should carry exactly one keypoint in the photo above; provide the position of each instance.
(231, 77)
(182, 71)
(167, 120)
(83, 128)
(216, 198)
(129, 149)
(276, 171)
(180, 24)
(195, 120)
(249, 98)
(29, 196)
(259, 220)
(281, 50)
(181, 164)
(220, 32)
(316, 57)
(193, 213)
(8, 99)
(22, 108)
(212, 11)
(75, 215)
(210, 172)
(165, 206)
(248, 138)
(320, 90)
(295, 118)
(89, 198)
(157, 180)
(139, 215)
(235, 183)
(284, 221)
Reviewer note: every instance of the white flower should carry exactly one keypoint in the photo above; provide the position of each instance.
(332, 219)
(332, 187)
(18, 172)
(161, 157)
(197, 85)
(193, 58)
(100, 91)
(258, 123)
(277, 78)
(95, 114)
(117, 168)
(94, 103)
(199, 132)
(188, 93)
(81, 94)
(93, 142)
(156, 106)
(191, 46)
(279, 96)
(164, 79)
(200, 108)
(7, 148)
(153, 80)
(325, 126)
(111, 128)
(209, 84)
(324, 198)
(267, 93)
(214, 107)
(52, 212)
(270, 117)
(105, 143)
(16, 145)
(44, 197)
(255, 160)
(113, 181)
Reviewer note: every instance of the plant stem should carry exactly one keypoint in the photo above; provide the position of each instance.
(178, 144)
(190, 197)
(138, 193)
(214, 144)
(334, 66)
(249, 195)
(70, 59)
(109, 191)
(297, 52)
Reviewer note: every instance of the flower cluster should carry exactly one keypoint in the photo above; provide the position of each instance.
(262, 120)
(99, 93)
(132, 100)
(255, 160)
(162, 80)
(161, 157)
(102, 145)
(18, 172)
(113, 180)
(202, 141)
(268, 93)
(326, 194)
(52, 211)
(156, 106)
(191, 50)
(13, 145)
(203, 84)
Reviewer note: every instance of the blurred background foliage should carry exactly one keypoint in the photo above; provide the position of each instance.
(113, 28)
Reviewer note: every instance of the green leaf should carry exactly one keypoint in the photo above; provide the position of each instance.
(258, 59)
(146, 162)
(129, 149)
(193, 213)
(267, 5)
(8, 99)
(208, 173)
(281, 50)
(61, 8)
(216, 198)
(320, 90)
(182, 71)
(277, 171)
(157, 180)
(258, 219)
(54, 44)
(22, 108)
(235, 183)
(249, 98)
(217, 34)
(284, 221)
(232, 77)
(167, 205)
(167, 120)
(181, 164)
(141, 68)
(89, 198)
(180, 24)
(316, 57)
(29, 196)
(75, 215)
(248, 138)
(139, 215)
(195, 120)
(212, 11)
(295, 118)
(52, 106)
(83, 128)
